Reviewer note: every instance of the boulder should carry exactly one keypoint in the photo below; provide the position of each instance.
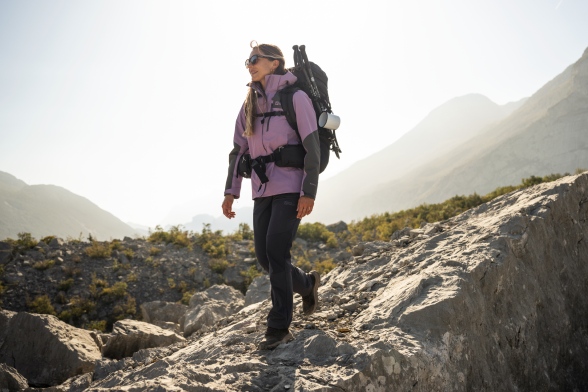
(210, 306)
(47, 351)
(161, 311)
(11, 380)
(219, 293)
(130, 336)
(259, 290)
(5, 316)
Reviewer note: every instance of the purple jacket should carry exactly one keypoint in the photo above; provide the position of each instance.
(273, 133)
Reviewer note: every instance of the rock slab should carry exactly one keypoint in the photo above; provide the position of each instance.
(47, 351)
(130, 336)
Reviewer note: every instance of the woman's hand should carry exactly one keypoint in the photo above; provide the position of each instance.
(305, 205)
(228, 206)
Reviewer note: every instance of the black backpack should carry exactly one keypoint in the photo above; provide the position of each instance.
(313, 81)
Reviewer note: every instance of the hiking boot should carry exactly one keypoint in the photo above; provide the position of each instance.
(310, 301)
(274, 337)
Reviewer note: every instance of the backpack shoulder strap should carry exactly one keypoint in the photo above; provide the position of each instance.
(287, 102)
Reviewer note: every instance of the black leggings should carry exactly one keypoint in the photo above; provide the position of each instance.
(274, 230)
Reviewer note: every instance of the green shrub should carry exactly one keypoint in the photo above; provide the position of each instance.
(42, 305)
(154, 251)
(244, 232)
(218, 265)
(43, 265)
(317, 232)
(119, 290)
(175, 236)
(65, 285)
(99, 325)
(250, 274)
(128, 308)
(48, 239)
(25, 241)
(186, 297)
(116, 245)
(129, 253)
(132, 277)
(213, 243)
(77, 308)
(324, 266)
(98, 250)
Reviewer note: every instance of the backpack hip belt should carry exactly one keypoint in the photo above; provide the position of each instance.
(290, 155)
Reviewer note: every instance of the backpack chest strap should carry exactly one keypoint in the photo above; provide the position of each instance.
(269, 114)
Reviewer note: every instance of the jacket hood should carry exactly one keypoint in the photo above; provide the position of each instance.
(274, 83)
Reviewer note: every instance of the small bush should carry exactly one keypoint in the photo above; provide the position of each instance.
(250, 274)
(132, 277)
(213, 243)
(128, 308)
(48, 239)
(42, 305)
(77, 308)
(25, 241)
(175, 236)
(65, 285)
(218, 265)
(186, 297)
(244, 232)
(119, 290)
(98, 250)
(154, 251)
(71, 271)
(129, 253)
(43, 265)
(116, 245)
(99, 325)
(317, 232)
(324, 266)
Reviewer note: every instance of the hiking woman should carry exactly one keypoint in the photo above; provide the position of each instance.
(282, 195)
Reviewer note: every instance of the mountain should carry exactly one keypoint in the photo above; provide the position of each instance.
(541, 135)
(44, 210)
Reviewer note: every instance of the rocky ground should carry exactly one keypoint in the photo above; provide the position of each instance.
(493, 299)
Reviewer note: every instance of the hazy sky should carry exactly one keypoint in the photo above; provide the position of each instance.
(132, 104)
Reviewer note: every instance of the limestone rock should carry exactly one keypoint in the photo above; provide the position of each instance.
(157, 311)
(10, 379)
(259, 290)
(210, 306)
(5, 316)
(130, 336)
(46, 350)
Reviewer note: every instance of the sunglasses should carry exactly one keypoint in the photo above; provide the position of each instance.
(255, 58)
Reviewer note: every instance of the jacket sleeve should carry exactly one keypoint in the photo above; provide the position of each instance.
(240, 146)
(308, 130)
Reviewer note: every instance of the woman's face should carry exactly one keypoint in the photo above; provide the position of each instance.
(262, 67)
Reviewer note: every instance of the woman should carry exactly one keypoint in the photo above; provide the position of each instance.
(283, 195)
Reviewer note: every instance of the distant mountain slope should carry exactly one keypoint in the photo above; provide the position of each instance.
(44, 210)
(546, 134)
(446, 127)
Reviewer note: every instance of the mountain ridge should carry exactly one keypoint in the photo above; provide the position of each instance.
(44, 210)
